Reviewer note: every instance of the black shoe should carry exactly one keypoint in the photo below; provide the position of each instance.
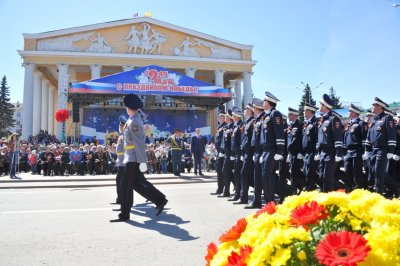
(253, 206)
(235, 198)
(240, 202)
(161, 207)
(215, 193)
(195, 173)
(116, 210)
(224, 196)
(119, 220)
(201, 174)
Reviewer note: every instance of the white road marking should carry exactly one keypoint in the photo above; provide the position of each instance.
(164, 187)
(69, 210)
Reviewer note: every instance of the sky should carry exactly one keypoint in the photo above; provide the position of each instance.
(352, 45)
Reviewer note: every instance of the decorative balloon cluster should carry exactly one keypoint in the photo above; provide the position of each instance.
(62, 115)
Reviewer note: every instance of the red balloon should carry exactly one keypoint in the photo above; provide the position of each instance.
(62, 115)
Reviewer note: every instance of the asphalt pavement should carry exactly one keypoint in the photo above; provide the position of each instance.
(57, 225)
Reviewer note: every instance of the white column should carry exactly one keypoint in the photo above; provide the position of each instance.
(96, 71)
(50, 120)
(238, 94)
(190, 72)
(127, 67)
(62, 93)
(45, 104)
(219, 77)
(37, 102)
(247, 91)
(27, 112)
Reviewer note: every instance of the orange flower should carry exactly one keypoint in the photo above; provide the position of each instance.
(212, 249)
(269, 208)
(240, 259)
(235, 232)
(308, 214)
(342, 248)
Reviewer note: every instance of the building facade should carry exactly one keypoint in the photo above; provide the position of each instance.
(52, 60)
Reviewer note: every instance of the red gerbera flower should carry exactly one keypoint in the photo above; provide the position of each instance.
(308, 214)
(62, 115)
(269, 208)
(342, 248)
(212, 249)
(235, 232)
(240, 259)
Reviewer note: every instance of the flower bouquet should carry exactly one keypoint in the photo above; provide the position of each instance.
(313, 228)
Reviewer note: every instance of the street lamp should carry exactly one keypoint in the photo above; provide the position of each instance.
(316, 87)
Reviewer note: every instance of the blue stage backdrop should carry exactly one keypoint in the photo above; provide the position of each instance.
(100, 121)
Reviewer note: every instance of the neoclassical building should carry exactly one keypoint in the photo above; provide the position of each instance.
(55, 59)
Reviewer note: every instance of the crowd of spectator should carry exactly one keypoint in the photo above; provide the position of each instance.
(44, 155)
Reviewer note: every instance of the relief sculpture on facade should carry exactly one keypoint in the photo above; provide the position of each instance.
(145, 41)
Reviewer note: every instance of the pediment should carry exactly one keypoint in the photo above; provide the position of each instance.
(143, 36)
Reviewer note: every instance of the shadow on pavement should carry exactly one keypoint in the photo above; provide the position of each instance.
(156, 223)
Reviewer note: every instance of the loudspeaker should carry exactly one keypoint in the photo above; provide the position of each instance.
(75, 112)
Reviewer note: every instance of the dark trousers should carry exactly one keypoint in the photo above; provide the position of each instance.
(131, 174)
(118, 180)
(354, 177)
(283, 169)
(176, 162)
(237, 168)
(246, 176)
(297, 178)
(197, 162)
(310, 171)
(268, 175)
(220, 178)
(257, 180)
(148, 191)
(227, 174)
(378, 168)
(326, 171)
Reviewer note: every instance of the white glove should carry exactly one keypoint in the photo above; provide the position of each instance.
(220, 155)
(242, 158)
(338, 158)
(143, 167)
(288, 158)
(278, 157)
(389, 156)
(254, 158)
(317, 157)
(300, 156)
(260, 160)
(365, 156)
(232, 158)
(396, 157)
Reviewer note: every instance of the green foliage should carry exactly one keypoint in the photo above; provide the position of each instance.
(306, 98)
(6, 108)
(335, 99)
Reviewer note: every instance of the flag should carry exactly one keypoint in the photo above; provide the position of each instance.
(135, 15)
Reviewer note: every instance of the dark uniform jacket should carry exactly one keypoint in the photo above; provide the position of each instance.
(310, 135)
(294, 138)
(226, 144)
(330, 135)
(247, 134)
(355, 135)
(219, 135)
(237, 138)
(272, 132)
(382, 133)
(255, 140)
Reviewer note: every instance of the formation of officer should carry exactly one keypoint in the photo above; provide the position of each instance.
(134, 162)
(280, 159)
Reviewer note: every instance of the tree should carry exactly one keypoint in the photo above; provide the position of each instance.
(306, 98)
(6, 108)
(336, 100)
